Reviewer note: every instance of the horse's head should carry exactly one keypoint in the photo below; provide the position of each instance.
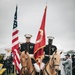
(55, 59)
(24, 61)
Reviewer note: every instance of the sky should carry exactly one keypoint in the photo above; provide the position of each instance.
(60, 21)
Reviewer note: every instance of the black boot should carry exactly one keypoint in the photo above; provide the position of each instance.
(37, 73)
(59, 72)
(41, 72)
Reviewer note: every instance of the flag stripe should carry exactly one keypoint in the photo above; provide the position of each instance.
(15, 39)
(17, 55)
(17, 66)
(16, 35)
(15, 32)
(14, 47)
(15, 43)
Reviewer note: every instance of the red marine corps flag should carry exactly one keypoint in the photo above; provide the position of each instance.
(41, 40)
(15, 44)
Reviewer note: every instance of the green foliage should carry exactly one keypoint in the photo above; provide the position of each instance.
(1, 57)
(71, 52)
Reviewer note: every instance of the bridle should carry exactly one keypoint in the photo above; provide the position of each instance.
(53, 62)
(26, 69)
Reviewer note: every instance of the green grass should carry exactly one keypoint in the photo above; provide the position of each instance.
(9, 74)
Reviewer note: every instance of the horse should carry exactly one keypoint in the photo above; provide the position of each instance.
(27, 67)
(52, 66)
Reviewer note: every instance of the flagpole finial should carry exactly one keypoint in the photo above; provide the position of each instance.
(16, 6)
(46, 5)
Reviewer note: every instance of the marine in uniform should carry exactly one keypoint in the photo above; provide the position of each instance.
(49, 49)
(28, 46)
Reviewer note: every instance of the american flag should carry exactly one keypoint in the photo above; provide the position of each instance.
(15, 44)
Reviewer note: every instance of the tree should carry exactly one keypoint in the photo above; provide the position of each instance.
(71, 52)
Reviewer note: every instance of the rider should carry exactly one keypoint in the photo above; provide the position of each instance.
(49, 49)
(28, 46)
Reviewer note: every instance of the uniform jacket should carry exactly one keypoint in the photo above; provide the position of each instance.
(49, 50)
(52, 49)
(27, 46)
